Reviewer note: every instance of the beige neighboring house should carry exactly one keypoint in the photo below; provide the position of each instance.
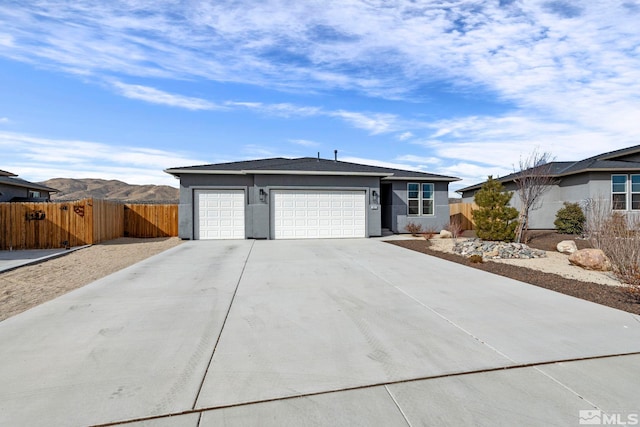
(14, 189)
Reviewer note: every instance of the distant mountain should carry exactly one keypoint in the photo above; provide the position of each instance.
(74, 189)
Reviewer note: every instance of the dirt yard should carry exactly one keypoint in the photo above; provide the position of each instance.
(32, 285)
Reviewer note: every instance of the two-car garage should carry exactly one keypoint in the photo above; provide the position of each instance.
(298, 214)
(293, 214)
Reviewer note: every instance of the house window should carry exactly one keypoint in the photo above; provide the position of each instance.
(619, 192)
(34, 194)
(625, 189)
(419, 199)
(635, 192)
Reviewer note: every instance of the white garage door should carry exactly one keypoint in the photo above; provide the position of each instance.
(306, 214)
(219, 214)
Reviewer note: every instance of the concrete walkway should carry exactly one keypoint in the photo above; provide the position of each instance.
(10, 260)
(323, 332)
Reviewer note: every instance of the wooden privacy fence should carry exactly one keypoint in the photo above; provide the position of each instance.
(462, 213)
(81, 222)
(150, 220)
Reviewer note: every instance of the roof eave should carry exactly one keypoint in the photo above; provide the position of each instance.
(177, 172)
(32, 186)
(304, 172)
(598, 170)
(618, 153)
(421, 178)
(272, 172)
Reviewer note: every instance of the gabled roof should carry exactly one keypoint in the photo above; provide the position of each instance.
(612, 161)
(19, 182)
(5, 173)
(306, 166)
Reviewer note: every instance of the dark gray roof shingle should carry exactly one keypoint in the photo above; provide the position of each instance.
(19, 182)
(308, 164)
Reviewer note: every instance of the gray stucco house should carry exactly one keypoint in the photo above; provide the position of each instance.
(14, 189)
(280, 198)
(611, 179)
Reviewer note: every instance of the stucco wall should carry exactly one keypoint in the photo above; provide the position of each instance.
(10, 191)
(582, 189)
(258, 212)
(400, 217)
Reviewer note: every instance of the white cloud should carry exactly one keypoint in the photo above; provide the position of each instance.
(304, 142)
(578, 67)
(418, 159)
(278, 109)
(404, 136)
(156, 96)
(375, 123)
(4, 120)
(6, 40)
(381, 163)
(83, 159)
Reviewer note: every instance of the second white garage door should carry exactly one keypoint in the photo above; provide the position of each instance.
(314, 214)
(220, 214)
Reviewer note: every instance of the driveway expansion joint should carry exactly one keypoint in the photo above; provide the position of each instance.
(380, 384)
(224, 322)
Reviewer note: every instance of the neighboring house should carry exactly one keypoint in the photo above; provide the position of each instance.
(307, 197)
(14, 189)
(612, 179)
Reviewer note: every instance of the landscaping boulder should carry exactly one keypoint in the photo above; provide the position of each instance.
(446, 234)
(567, 247)
(590, 259)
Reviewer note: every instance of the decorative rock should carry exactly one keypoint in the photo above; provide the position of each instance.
(446, 234)
(567, 247)
(590, 259)
(496, 250)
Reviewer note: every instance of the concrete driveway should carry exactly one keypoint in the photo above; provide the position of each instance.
(323, 332)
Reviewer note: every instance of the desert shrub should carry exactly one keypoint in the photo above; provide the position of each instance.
(476, 259)
(495, 219)
(454, 227)
(429, 232)
(618, 237)
(413, 228)
(570, 219)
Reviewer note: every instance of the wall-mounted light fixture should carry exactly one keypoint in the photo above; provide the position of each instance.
(374, 195)
(263, 195)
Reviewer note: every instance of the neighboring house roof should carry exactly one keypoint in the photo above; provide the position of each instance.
(5, 173)
(307, 166)
(609, 162)
(19, 182)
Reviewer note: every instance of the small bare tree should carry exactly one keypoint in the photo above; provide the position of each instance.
(533, 179)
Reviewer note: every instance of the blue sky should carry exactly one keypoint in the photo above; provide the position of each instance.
(124, 89)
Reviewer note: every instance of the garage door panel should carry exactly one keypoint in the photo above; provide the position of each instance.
(302, 214)
(219, 214)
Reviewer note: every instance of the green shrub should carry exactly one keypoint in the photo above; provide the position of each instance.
(494, 218)
(570, 219)
(476, 259)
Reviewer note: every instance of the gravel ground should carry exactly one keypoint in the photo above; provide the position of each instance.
(593, 286)
(32, 285)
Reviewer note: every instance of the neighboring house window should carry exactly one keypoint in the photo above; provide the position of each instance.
(419, 199)
(34, 194)
(635, 192)
(625, 189)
